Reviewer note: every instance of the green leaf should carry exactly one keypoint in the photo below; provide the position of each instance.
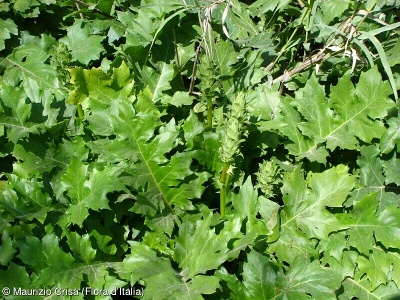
(99, 87)
(266, 104)
(103, 235)
(181, 290)
(161, 182)
(349, 115)
(292, 243)
(81, 245)
(225, 57)
(198, 249)
(47, 259)
(393, 56)
(17, 123)
(7, 27)
(259, 277)
(44, 254)
(392, 173)
(88, 190)
(159, 276)
(361, 289)
(23, 5)
(391, 137)
(247, 206)
(370, 167)
(383, 58)
(288, 123)
(90, 82)
(158, 80)
(38, 157)
(25, 199)
(30, 61)
(140, 27)
(14, 276)
(305, 208)
(143, 263)
(313, 106)
(7, 250)
(333, 9)
(304, 279)
(178, 99)
(377, 267)
(78, 37)
(344, 267)
(193, 130)
(334, 246)
(236, 287)
(365, 227)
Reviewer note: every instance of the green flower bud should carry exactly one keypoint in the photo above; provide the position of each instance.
(234, 128)
(268, 176)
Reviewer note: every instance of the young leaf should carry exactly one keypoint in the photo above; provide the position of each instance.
(100, 88)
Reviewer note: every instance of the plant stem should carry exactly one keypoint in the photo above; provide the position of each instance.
(225, 183)
(364, 17)
(209, 112)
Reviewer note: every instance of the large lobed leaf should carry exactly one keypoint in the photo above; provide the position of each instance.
(159, 180)
(87, 189)
(305, 216)
(199, 249)
(77, 39)
(311, 121)
(366, 227)
(306, 201)
(162, 281)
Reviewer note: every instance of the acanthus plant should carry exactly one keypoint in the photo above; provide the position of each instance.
(192, 148)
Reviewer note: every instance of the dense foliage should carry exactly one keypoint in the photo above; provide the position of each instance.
(201, 149)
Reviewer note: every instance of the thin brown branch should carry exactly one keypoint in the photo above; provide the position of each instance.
(316, 58)
(79, 8)
(301, 3)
